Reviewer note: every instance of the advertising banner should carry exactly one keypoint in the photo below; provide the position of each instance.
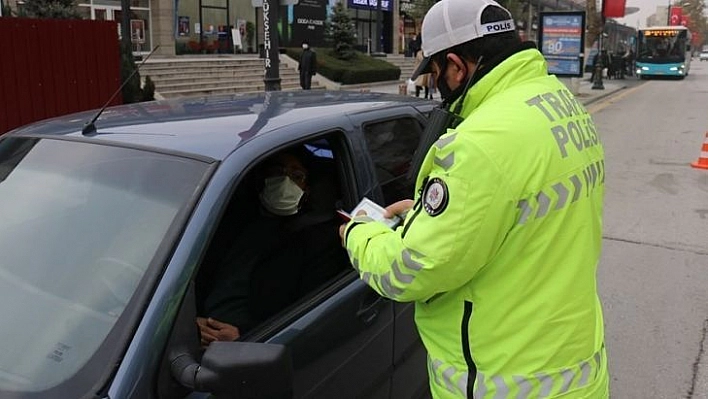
(183, 25)
(308, 23)
(370, 4)
(137, 31)
(561, 38)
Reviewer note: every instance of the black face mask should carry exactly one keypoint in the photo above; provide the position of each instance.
(445, 90)
(448, 95)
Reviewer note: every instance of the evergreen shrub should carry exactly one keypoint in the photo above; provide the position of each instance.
(359, 69)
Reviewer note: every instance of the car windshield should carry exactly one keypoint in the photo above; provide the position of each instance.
(81, 223)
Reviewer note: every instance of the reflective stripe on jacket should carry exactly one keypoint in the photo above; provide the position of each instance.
(501, 248)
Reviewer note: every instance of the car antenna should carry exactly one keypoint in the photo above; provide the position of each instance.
(90, 127)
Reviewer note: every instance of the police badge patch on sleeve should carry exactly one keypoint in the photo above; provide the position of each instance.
(435, 197)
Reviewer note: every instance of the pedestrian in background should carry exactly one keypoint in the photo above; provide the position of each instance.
(499, 247)
(606, 64)
(307, 66)
(629, 62)
(413, 46)
(431, 86)
(421, 82)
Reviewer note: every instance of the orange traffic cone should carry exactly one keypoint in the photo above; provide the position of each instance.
(702, 162)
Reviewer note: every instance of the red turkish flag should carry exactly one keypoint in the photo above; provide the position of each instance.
(685, 20)
(676, 14)
(613, 8)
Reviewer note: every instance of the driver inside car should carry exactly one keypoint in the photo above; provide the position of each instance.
(279, 257)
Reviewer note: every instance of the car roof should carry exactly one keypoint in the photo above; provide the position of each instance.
(213, 126)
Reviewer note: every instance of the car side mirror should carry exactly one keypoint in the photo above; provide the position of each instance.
(240, 370)
(245, 370)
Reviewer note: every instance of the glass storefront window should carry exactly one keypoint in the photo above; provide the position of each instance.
(114, 3)
(84, 11)
(140, 20)
(140, 3)
(110, 10)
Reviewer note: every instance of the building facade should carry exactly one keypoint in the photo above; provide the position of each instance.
(659, 18)
(227, 26)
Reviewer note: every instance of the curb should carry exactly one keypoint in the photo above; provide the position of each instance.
(603, 95)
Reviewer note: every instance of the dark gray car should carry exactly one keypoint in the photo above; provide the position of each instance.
(106, 238)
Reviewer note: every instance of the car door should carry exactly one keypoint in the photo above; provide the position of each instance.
(392, 137)
(341, 335)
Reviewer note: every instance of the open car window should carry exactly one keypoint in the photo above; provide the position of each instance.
(259, 263)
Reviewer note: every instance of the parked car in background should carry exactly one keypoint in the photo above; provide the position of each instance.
(703, 56)
(108, 235)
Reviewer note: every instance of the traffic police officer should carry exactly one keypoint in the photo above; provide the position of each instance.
(500, 246)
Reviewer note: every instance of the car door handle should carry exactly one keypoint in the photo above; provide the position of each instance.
(369, 310)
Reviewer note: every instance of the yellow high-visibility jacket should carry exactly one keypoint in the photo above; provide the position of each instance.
(500, 250)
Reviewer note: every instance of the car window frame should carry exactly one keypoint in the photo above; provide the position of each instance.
(341, 143)
(386, 116)
(344, 146)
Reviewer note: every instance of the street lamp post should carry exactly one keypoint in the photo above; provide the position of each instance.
(271, 45)
(597, 83)
(529, 22)
(377, 44)
(538, 22)
(125, 24)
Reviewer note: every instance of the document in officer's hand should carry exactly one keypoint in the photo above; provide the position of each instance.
(373, 210)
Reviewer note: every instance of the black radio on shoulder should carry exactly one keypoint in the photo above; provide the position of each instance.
(440, 120)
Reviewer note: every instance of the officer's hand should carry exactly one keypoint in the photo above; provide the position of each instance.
(399, 208)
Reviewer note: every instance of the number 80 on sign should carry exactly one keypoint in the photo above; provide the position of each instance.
(554, 47)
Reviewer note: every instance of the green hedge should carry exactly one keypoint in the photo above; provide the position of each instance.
(361, 69)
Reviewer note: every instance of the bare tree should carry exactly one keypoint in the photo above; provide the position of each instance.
(420, 7)
(697, 23)
(594, 22)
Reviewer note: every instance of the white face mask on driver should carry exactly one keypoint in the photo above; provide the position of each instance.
(281, 196)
